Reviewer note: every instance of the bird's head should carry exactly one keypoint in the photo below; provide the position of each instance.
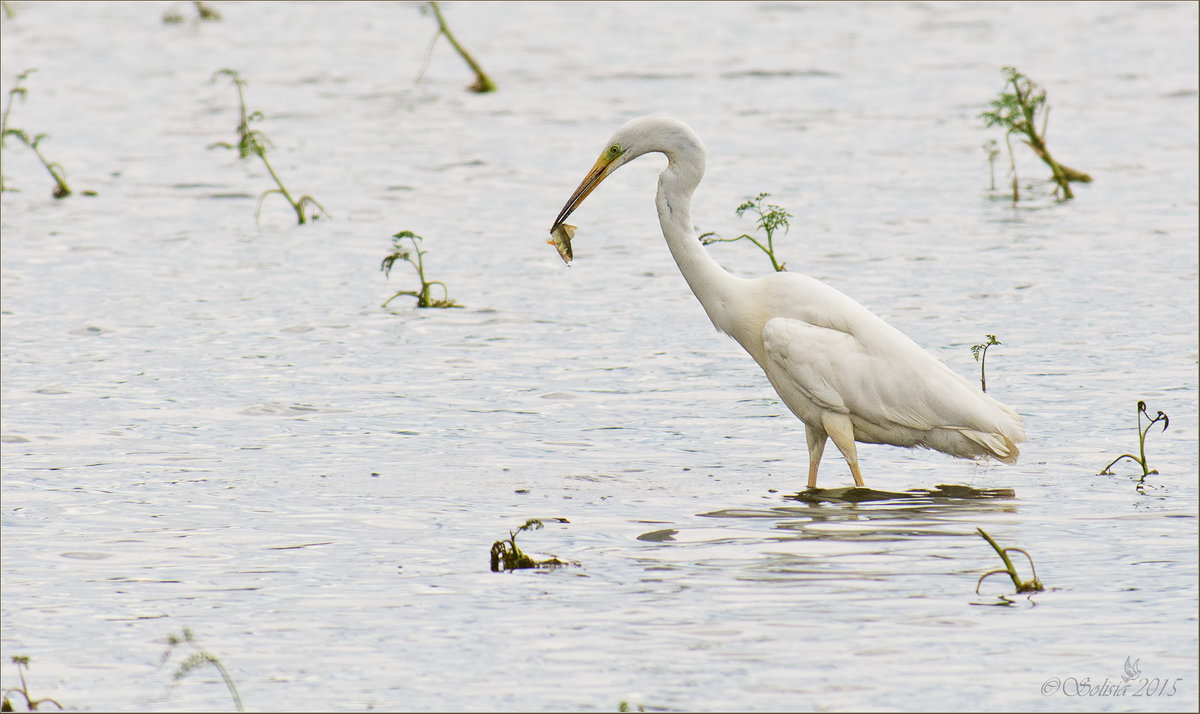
(638, 136)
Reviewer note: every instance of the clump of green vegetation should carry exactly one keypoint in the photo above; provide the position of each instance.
(1022, 586)
(204, 13)
(22, 662)
(1141, 460)
(483, 83)
(57, 172)
(252, 142)
(402, 252)
(770, 219)
(1017, 112)
(198, 658)
(979, 352)
(507, 556)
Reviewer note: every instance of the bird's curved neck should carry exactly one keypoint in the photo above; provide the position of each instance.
(713, 286)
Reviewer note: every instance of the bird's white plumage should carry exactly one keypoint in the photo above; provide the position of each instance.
(843, 371)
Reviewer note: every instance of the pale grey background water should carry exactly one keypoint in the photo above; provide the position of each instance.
(212, 425)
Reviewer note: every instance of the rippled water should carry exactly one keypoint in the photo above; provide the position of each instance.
(212, 425)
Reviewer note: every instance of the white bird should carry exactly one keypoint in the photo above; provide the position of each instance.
(846, 373)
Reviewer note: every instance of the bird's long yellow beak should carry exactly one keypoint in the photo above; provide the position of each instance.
(599, 172)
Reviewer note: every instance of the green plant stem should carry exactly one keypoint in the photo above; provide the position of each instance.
(257, 148)
(237, 698)
(483, 83)
(1033, 585)
(252, 142)
(1142, 432)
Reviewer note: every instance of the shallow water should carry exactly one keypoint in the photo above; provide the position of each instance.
(212, 425)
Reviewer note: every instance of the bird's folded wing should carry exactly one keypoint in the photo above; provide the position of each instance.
(838, 371)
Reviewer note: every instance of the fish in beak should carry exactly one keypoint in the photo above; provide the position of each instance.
(561, 233)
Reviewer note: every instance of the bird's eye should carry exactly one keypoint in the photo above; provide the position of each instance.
(614, 150)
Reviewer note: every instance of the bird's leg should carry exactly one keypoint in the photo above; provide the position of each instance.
(841, 430)
(816, 447)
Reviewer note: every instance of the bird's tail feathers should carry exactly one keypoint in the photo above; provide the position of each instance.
(994, 444)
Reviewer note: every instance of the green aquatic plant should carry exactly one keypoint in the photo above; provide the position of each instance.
(1022, 586)
(198, 658)
(771, 218)
(979, 352)
(252, 142)
(31, 704)
(483, 83)
(1142, 431)
(402, 252)
(204, 13)
(17, 92)
(1017, 112)
(57, 172)
(506, 555)
(990, 146)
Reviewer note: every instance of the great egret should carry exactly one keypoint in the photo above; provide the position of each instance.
(846, 373)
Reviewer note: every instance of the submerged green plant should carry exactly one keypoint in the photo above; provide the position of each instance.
(990, 146)
(57, 172)
(198, 658)
(16, 92)
(1017, 112)
(22, 662)
(402, 252)
(506, 555)
(483, 83)
(1022, 586)
(770, 219)
(204, 13)
(1141, 460)
(252, 142)
(979, 352)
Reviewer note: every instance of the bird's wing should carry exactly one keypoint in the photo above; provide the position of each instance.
(882, 381)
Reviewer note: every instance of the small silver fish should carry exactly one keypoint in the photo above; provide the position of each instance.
(561, 236)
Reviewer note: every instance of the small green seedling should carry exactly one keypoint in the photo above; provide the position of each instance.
(22, 662)
(507, 556)
(1022, 586)
(204, 13)
(993, 153)
(403, 252)
(252, 142)
(770, 219)
(483, 83)
(1141, 460)
(16, 92)
(1017, 113)
(979, 352)
(57, 172)
(197, 659)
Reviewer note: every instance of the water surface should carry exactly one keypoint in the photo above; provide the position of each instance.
(214, 425)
